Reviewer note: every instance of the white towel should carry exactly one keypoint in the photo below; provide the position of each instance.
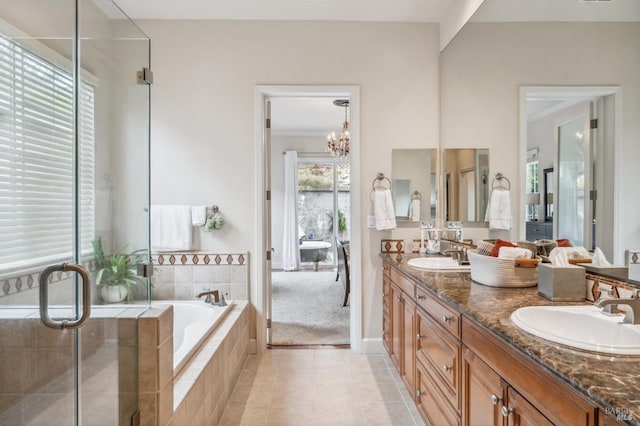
(198, 215)
(171, 228)
(383, 209)
(371, 217)
(498, 212)
(414, 210)
(514, 253)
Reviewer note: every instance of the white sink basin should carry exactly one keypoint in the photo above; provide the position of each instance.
(581, 327)
(437, 264)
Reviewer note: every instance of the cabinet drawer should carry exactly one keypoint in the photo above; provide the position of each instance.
(433, 408)
(385, 269)
(440, 353)
(402, 282)
(446, 316)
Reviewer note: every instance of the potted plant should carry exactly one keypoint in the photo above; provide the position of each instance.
(317, 258)
(116, 273)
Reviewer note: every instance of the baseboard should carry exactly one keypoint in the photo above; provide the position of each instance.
(373, 346)
(252, 348)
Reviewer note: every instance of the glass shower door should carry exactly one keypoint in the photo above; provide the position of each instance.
(72, 167)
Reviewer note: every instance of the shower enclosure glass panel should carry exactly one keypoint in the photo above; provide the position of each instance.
(74, 150)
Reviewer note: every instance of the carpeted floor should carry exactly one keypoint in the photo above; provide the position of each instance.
(307, 309)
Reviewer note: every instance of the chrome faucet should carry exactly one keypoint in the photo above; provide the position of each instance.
(208, 299)
(632, 315)
(458, 254)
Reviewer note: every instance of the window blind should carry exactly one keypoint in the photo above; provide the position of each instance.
(37, 158)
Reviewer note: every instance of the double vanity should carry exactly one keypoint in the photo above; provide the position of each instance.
(465, 361)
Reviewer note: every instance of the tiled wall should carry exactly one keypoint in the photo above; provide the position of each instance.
(199, 395)
(181, 276)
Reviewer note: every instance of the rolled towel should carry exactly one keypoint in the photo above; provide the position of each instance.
(514, 253)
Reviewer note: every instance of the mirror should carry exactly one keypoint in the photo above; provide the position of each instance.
(466, 184)
(414, 184)
(508, 46)
(548, 194)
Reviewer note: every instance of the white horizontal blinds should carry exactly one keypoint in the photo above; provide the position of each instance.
(87, 166)
(36, 160)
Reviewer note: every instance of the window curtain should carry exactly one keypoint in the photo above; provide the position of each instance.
(290, 247)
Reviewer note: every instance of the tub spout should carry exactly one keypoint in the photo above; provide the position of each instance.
(208, 298)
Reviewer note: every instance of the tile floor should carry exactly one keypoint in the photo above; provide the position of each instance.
(319, 387)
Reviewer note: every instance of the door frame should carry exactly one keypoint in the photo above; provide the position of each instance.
(578, 92)
(262, 93)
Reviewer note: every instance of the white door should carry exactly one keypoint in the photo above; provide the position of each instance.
(267, 215)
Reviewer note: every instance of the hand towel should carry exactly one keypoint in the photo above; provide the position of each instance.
(514, 252)
(414, 211)
(498, 212)
(171, 228)
(198, 215)
(599, 259)
(383, 209)
(371, 217)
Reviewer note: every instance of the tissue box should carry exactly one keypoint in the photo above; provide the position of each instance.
(561, 283)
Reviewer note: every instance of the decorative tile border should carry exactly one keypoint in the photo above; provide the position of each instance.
(31, 280)
(619, 289)
(391, 246)
(198, 259)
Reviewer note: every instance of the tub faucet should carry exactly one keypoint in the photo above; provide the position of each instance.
(208, 298)
(632, 313)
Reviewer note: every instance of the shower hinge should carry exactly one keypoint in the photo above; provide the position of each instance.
(268, 254)
(593, 195)
(145, 76)
(268, 322)
(593, 123)
(267, 123)
(268, 195)
(145, 270)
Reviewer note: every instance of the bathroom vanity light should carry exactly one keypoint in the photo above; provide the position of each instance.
(340, 147)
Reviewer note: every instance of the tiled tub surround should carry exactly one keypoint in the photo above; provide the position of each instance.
(181, 276)
(199, 392)
(610, 382)
(37, 376)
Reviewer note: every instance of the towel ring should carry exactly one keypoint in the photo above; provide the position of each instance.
(499, 177)
(380, 178)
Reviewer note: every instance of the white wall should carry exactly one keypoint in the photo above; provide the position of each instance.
(203, 113)
(483, 67)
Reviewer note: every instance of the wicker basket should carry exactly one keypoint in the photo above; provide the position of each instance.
(494, 272)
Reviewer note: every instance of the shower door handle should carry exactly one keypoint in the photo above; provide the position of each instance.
(44, 296)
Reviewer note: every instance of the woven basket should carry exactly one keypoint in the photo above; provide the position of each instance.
(494, 272)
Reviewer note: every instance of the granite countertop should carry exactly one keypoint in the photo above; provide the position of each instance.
(612, 383)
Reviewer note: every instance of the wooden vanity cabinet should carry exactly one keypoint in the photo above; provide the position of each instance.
(460, 373)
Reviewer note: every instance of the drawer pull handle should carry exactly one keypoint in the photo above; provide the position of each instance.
(495, 399)
(398, 299)
(446, 368)
(385, 295)
(506, 412)
(420, 393)
(421, 296)
(419, 336)
(446, 318)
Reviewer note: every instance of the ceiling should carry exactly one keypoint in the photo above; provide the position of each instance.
(434, 11)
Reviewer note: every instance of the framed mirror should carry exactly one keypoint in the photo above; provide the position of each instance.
(414, 185)
(466, 184)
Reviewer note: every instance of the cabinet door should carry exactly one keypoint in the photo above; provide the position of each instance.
(483, 392)
(520, 412)
(409, 343)
(397, 327)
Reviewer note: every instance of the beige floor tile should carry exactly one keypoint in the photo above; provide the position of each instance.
(319, 387)
(387, 414)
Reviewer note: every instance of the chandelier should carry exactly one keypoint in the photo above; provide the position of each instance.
(339, 147)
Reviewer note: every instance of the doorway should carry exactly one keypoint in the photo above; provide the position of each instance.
(268, 255)
(568, 151)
